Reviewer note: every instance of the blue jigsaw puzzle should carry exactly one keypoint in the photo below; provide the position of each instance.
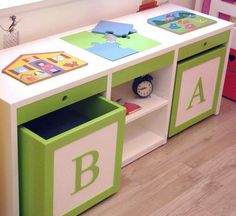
(116, 28)
(111, 51)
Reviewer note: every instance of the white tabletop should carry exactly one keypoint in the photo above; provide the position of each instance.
(16, 93)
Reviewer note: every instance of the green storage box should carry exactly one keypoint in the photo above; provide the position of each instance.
(197, 88)
(70, 159)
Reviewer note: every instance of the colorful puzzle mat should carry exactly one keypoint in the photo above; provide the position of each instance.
(180, 22)
(32, 68)
(110, 46)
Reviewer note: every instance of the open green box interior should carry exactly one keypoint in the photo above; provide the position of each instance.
(64, 119)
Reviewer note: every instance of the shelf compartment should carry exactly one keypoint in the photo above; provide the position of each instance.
(148, 105)
(138, 142)
(146, 128)
(144, 135)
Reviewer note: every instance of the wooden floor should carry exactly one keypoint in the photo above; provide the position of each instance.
(193, 175)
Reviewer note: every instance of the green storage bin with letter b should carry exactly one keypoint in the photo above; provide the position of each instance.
(70, 159)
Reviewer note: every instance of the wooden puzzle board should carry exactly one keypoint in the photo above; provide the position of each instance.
(180, 22)
(32, 68)
(110, 46)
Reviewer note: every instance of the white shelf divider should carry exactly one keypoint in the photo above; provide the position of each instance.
(138, 142)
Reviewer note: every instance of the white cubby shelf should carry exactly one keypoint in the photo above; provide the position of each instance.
(146, 129)
(140, 140)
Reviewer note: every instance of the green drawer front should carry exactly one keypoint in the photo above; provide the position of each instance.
(142, 68)
(184, 67)
(203, 45)
(60, 100)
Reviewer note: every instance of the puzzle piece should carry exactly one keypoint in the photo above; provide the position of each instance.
(137, 42)
(183, 22)
(111, 51)
(172, 16)
(116, 28)
(201, 20)
(47, 67)
(174, 26)
(192, 16)
(190, 26)
(110, 37)
(84, 39)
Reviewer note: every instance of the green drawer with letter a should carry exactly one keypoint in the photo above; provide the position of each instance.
(197, 86)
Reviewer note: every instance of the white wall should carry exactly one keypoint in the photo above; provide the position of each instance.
(55, 19)
(186, 3)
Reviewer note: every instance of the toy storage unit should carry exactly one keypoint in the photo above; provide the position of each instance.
(69, 159)
(77, 163)
(198, 80)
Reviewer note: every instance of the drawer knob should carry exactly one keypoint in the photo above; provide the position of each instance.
(64, 98)
(205, 43)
